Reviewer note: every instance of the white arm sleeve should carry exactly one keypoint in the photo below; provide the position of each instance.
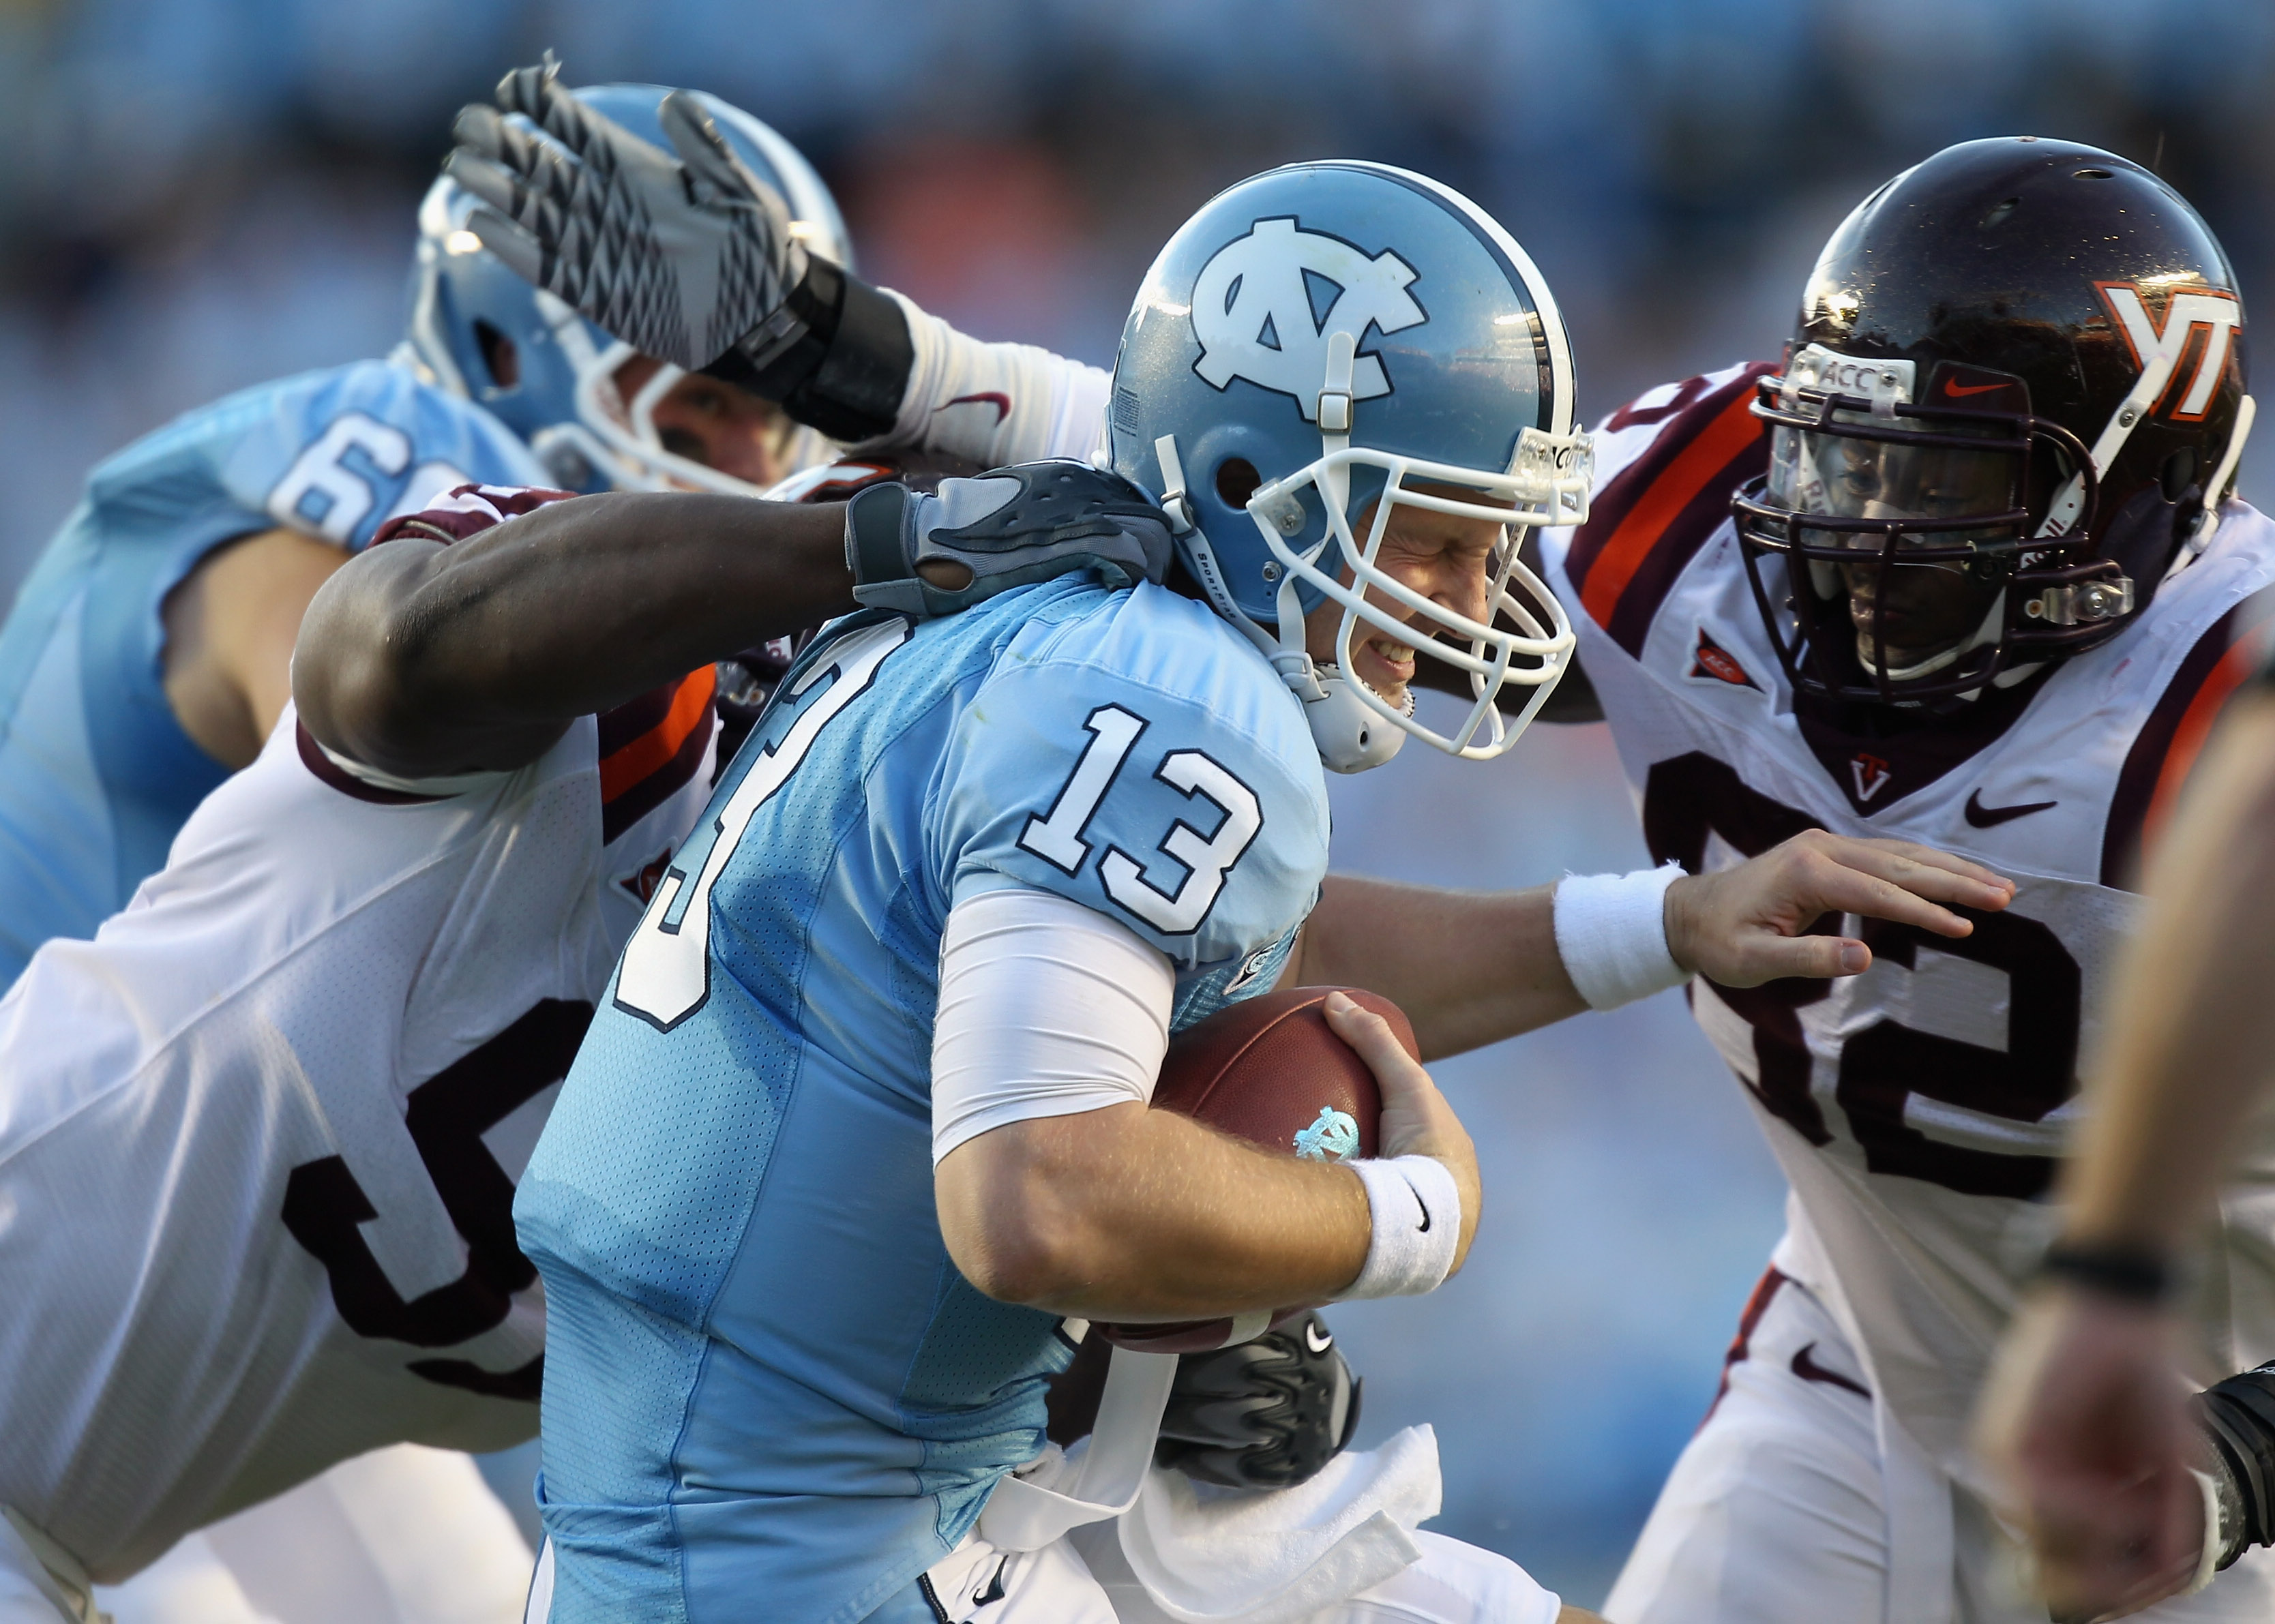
(1047, 1008)
(994, 403)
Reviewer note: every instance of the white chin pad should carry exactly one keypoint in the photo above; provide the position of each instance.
(1351, 736)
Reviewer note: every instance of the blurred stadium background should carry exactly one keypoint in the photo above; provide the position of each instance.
(199, 194)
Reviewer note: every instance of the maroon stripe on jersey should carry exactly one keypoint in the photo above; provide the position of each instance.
(1688, 530)
(330, 772)
(2166, 746)
(640, 714)
(621, 812)
(1650, 520)
(468, 511)
(1765, 1293)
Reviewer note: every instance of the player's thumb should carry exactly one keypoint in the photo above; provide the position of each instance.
(713, 168)
(1768, 957)
(1370, 1038)
(524, 254)
(1415, 1115)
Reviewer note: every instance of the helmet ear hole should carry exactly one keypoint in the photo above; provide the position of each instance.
(1236, 480)
(499, 358)
(2178, 473)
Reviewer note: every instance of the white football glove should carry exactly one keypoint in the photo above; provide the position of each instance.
(678, 256)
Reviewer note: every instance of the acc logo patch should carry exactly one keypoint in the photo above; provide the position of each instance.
(1712, 660)
(641, 885)
(1262, 305)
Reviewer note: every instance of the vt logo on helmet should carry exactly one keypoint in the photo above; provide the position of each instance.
(2011, 411)
(1324, 356)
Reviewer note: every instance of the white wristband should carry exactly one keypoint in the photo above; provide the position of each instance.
(1610, 930)
(1417, 1209)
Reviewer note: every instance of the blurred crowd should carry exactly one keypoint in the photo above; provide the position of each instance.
(200, 194)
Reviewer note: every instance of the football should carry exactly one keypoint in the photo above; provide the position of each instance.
(1270, 1070)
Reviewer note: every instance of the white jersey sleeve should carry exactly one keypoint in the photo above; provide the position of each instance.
(993, 403)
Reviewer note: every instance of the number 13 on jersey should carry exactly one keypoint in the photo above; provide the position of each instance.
(1055, 836)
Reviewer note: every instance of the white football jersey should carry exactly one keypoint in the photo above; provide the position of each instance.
(259, 1137)
(1917, 1108)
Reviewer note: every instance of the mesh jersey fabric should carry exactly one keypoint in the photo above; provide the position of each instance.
(765, 1377)
(96, 775)
(1918, 1109)
(257, 1138)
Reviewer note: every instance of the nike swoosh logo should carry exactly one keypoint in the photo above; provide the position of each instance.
(1002, 402)
(1989, 816)
(1809, 1370)
(1953, 388)
(1317, 1337)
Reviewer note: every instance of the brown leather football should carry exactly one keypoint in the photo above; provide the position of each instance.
(1271, 1070)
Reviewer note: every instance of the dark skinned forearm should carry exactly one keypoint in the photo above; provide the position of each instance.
(423, 660)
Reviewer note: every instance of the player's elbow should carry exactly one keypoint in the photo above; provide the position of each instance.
(1018, 1262)
(1014, 1219)
(363, 666)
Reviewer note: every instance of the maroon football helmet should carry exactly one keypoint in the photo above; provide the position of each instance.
(2022, 359)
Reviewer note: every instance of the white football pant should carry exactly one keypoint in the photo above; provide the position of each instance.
(405, 1535)
(1776, 1512)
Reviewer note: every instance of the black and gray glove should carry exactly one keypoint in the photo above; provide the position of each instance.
(2239, 1413)
(688, 258)
(1267, 1413)
(935, 553)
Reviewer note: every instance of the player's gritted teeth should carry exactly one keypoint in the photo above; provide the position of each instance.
(1444, 557)
(1384, 664)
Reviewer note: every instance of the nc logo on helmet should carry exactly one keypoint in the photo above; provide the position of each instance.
(1265, 303)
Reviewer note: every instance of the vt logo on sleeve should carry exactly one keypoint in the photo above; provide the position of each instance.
(1264, 303)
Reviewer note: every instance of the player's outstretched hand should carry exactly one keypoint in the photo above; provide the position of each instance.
(2089, 1425)
(1744, 926)
(1415, 1119)
(678, 253)
(939, 552)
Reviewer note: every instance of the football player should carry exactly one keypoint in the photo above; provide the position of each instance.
(258, 1137)
(858, 1143)
(1963, 568)
(147, 656)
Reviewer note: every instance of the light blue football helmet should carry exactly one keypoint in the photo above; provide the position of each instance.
(470, 313)
(1316, 343)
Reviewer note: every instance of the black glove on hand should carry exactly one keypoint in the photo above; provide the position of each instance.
(1267, 1414)
(937, 554)
(689, 257)
(2238, 1414)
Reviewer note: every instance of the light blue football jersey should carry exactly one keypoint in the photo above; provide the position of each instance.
(769, 1393)
(96, 774)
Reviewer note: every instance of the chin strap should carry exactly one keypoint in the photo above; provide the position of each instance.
(1351, 737)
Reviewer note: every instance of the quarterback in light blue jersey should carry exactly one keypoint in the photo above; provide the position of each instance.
(145, 658)
(857, 1148)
